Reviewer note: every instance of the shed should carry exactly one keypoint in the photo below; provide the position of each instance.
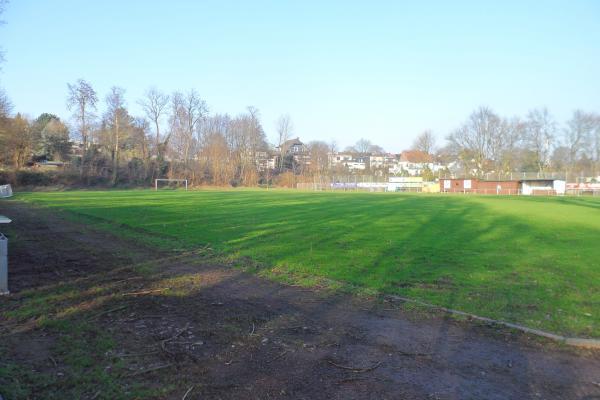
(474, 185)
(543, 186)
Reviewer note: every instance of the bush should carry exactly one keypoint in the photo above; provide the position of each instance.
(287, 179)
(34, 178)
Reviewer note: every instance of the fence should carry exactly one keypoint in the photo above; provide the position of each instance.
(512, 176)
(583, 192)
(367, 183)
(498, 192)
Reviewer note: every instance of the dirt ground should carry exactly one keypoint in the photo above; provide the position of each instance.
(185, 327)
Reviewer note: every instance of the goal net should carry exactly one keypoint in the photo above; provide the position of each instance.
(6, 191)
(170, 184)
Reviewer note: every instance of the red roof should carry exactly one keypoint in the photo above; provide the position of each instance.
(415, 156)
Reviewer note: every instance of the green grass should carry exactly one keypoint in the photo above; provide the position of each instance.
(529, 260)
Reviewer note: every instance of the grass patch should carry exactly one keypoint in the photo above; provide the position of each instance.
(528, 260)
(72, 355)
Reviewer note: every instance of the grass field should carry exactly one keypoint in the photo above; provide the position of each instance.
(529, 260)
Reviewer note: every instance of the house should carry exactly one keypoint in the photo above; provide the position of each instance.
(292, 146)
(265, 161)
(356, 165)
(415, 157)
(348, 160)
(377, 161)
(414, 163)
(336, 159)
(295, 149)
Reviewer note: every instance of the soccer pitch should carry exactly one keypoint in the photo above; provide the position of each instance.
(528, 260)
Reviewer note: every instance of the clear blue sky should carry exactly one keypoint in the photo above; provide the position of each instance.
(342, 69)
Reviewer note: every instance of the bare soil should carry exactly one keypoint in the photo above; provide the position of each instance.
(215, 332)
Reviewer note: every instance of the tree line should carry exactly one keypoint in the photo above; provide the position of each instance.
(177, 137)
(487, 142)
(121, 148)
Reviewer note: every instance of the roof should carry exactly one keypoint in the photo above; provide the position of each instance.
(292, 142)
(415, 156)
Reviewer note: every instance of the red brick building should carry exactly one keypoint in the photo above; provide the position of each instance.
(479, 186)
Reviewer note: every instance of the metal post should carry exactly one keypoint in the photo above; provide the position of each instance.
(3, 264)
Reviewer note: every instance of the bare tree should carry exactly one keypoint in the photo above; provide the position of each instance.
(53, 137)
(215, 153)
(540, 130)
(578, 135)
(362, 146)
(137, 141)
(187, 112)
(154, 105)
(376, 149)
(18, 141)
(82, 98)
(478, 139)
(425, 142)
(5, 104)
(319, 157)
(116, 114)
(333, 146)
(285, 129)
(507, 144)
(596, 146)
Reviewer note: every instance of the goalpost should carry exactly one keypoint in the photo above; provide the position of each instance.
(185, 181)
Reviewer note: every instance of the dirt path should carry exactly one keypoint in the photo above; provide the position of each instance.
(192, 325)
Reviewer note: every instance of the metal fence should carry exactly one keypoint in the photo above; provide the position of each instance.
(365, 183)
(583, 192)
(370, 183)
(510, 176)
(498, 192)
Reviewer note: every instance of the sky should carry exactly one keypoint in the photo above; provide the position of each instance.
(343, 70)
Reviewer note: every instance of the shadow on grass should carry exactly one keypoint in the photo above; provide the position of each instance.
(497, 261)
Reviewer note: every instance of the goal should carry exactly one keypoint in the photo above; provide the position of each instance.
(171, 183)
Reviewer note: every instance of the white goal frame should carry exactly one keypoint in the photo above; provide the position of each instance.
(170, 180)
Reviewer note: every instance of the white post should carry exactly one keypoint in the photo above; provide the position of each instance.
(3, 265)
